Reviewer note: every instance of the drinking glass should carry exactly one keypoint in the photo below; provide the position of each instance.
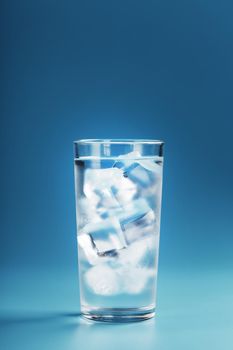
(118, 186)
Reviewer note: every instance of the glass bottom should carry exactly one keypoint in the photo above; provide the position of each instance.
(118, 315)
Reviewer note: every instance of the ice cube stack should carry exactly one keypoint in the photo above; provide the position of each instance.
(119, 234)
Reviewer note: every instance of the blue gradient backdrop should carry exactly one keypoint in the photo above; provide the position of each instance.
(116, 69)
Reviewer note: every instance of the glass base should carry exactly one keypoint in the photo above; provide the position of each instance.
(118, 315)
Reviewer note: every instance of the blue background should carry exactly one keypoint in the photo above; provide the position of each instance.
(116, 69)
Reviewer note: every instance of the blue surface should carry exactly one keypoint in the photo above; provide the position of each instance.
(41, 311)
(122, 69)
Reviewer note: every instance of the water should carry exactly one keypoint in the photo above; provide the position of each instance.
(118, 219)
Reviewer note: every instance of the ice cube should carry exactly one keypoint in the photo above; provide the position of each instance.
(106, 236)
(108, 189)
(107, 203)
(153, 164)
(134, 210)
(95, 180)
(134, 279)
(140, 227)
(94, 177)
(126, 159)
(138, 169)
(124, 190)
(87, 252)
(137, 220)
(99, 188)
(102, 280)
(138, 174)
(86, 212)
(149, 260)
(98, 179)
(139, 254)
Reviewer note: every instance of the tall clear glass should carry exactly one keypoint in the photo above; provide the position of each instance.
(118, 200)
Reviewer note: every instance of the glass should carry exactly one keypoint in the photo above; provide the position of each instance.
(118, 203)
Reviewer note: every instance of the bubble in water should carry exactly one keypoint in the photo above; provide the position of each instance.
(106, 237)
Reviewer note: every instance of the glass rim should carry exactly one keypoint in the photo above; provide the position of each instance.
(119, 141)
